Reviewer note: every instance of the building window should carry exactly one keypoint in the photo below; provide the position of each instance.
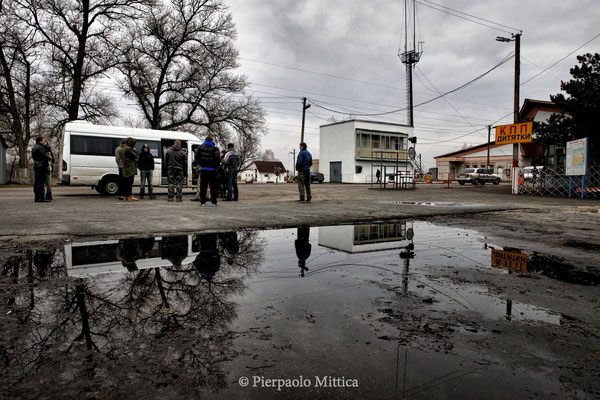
(375, 140)
(365, 141)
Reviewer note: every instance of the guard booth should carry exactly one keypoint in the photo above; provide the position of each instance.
(397, 171)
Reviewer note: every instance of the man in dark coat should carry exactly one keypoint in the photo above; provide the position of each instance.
(303, 164)
(41, 160)
(48, 182)
(231, 162)
(129, 170)
(146, 166)
(208, 157)
(176, 160)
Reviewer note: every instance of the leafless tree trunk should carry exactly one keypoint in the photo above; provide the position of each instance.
(81, 36)
(178, 66)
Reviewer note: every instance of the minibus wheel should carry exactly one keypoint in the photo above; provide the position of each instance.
(109, 186)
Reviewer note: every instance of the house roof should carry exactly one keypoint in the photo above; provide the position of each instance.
(269, 167)
(531, 107)
(366, 121)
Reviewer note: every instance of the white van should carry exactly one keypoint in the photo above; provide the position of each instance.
(88, 154)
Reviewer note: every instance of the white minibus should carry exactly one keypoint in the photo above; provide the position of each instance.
(88, 154)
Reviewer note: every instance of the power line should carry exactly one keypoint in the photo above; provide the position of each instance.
(507, 58)
(322, 74)
(568, 55)
(445, 9)
(470, 133)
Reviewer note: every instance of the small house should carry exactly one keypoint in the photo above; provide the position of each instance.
(265, 172)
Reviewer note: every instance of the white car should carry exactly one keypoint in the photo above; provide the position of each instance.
(478, 176)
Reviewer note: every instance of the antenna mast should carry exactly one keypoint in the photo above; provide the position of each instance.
(409, 57)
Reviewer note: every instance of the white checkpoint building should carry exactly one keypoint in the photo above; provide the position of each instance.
(347, 149)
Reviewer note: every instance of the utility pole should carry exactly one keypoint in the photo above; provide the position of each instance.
(294, 161)
(487, 165)
(304, 108)
(517, 39)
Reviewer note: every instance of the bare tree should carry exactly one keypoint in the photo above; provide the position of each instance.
(81, 36)
(267, 155)
(22, 86)
(178, 66)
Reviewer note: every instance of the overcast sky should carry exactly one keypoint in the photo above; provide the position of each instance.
(344, 54)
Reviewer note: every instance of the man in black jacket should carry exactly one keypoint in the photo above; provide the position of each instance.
(231, 161)
(208, 157)
(176, 160)
(41, 159)
(146, 166)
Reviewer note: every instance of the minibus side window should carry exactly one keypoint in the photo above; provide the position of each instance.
(93, 145)
(153, 145)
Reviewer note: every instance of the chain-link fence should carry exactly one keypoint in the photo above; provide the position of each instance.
(552, 181)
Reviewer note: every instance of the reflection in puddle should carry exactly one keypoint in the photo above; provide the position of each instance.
(190, 314)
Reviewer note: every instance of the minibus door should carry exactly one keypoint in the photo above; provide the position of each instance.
(166, 144)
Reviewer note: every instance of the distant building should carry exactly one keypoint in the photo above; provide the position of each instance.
(347, 149)
(3, 148)
(501, 156)
(265, 172)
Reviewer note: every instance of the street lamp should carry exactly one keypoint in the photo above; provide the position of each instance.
(516, 37)
(304, 108)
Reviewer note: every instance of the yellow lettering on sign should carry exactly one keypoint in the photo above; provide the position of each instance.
(509, 260)
(514, 133)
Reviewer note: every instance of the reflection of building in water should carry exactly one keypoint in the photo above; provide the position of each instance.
(366, 237)
(90, 258)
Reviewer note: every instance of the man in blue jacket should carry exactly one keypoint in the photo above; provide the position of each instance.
(303, 164)
(208, 158)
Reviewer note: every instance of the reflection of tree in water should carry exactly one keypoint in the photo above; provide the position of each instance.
(153, 331)
(556, 268)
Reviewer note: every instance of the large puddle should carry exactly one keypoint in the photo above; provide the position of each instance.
(364, 311)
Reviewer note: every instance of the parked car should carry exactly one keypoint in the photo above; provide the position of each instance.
(478, 176)
(315, 176)
(531, 174)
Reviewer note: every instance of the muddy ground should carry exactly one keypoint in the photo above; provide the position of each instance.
(557, 359)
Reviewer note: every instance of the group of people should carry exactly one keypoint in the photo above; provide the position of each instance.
(42, 168)
(126, 157)
(210, 160)
(218, 171)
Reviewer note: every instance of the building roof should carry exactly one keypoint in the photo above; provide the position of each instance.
(531, 107)
(527, 150)
(366, 121)
(468, 150)
(269, 167)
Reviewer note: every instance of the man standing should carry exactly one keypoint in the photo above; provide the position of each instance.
(41, 158)
(119, 160)
(303, 164)
(231, 162)
(176, 160)
(207, 156)
(146, 166)
(48, 181)
(129, 171)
